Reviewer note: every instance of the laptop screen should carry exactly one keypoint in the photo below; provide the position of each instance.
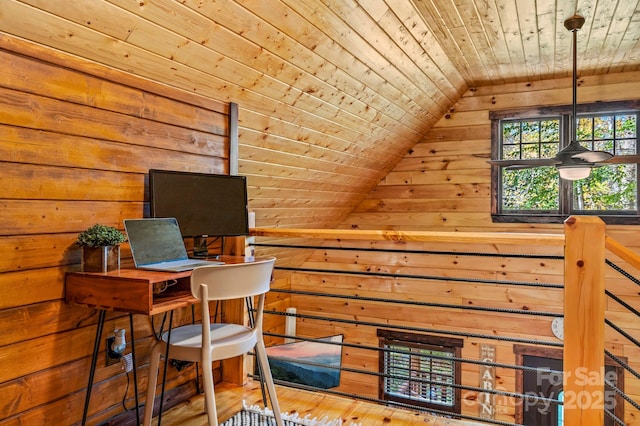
(155, 240)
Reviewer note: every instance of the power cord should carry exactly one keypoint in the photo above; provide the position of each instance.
(161, 287)
(124, 397)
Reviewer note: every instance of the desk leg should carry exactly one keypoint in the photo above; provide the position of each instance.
(135, 373)
(166, 364)
(94, 361)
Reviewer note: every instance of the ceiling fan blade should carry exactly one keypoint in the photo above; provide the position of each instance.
(525, 163)
(622, 159)
(593, 156)
(521, 166)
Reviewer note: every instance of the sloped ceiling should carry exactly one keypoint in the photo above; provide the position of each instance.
(332, 93)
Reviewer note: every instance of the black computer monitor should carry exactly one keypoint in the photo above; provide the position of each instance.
(204, 204)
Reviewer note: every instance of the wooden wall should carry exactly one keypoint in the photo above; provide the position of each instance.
(443, 184)
(76, 143)
(324, 114)
(438, 291)
(77, 139)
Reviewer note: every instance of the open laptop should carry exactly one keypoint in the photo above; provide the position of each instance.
(157, 245)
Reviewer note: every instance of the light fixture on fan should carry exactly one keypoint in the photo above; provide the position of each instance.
(574, 173)
(574, 161)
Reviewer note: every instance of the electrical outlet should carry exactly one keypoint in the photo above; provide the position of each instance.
(110, 356)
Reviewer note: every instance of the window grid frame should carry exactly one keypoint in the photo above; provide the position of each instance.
(565, 188)
(409, 347)
(539, 142)
(420, 367)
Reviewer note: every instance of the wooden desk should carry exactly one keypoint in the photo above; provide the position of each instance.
(129, 290)
(132, 291)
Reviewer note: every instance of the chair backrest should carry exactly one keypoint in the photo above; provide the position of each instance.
(233, 280)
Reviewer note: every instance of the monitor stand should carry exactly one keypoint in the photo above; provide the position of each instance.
(200, 249)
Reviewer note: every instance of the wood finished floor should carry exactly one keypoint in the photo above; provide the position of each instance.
(229, 401)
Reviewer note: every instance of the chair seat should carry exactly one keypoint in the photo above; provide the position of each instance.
(227, 340)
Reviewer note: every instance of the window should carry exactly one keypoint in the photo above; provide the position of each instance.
(420, 370)
(537, 194)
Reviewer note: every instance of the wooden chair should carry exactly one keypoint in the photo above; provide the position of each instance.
(208, 342)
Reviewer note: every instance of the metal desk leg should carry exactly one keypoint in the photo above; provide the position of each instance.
(94, 361)
(135, 373)
(166, 364)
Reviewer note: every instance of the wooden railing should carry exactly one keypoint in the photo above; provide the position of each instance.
(449, 237)
(584, 243)
(584, 305)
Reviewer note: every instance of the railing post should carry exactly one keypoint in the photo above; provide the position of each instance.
(584, 306)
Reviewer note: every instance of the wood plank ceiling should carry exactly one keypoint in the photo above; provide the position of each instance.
(332, 93)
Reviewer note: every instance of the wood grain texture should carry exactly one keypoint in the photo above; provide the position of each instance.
(304, 403)
(333, 96)
(584, 316)
(442, 295)
(77, 142)
(354, 84)
(458, 237)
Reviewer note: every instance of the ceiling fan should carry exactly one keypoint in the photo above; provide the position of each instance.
(573, 161)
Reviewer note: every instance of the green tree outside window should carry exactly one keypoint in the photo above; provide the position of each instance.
(538, 191)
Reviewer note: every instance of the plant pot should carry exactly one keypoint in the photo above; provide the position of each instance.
(100, 259)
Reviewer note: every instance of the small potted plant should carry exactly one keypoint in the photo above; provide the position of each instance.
(100, 248)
